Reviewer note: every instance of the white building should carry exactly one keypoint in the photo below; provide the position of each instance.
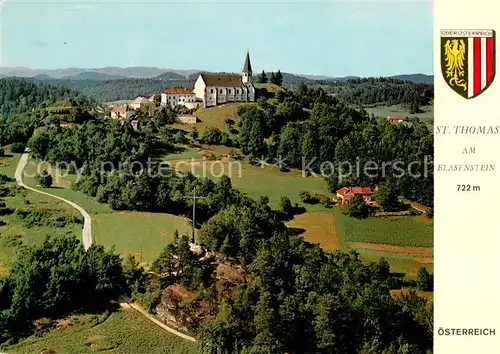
(179, 97)
(214, 89)
(139, 102)
(121, 112)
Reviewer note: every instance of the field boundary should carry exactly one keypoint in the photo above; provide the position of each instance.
(422, 252)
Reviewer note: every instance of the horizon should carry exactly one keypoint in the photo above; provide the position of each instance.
(373, 38)
(193, 70)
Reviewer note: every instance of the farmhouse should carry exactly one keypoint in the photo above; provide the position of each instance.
(347, 193)
(179, 97)
(139, 102)
(214, 89)
(395, 119)
(121, 112)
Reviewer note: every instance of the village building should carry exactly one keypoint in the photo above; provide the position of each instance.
(179, 97)
(215, 89)
(187, 119)
(139, 102)
(347, 193)
(121, 112)
(395, 119)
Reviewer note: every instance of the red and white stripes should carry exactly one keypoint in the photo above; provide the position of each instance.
(480, 64)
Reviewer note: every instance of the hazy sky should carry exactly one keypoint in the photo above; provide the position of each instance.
(326, 38)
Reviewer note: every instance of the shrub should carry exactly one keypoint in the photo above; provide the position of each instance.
(306, 197)
(286, 207)
(358, 208)
(425, 280)
(45, 179)
(17, 147)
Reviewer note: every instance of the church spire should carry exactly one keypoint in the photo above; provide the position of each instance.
(247, 69)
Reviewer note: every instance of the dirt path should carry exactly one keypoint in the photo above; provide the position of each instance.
(87, 224)
(127, 304)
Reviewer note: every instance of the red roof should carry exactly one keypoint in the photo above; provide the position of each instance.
(118, 109)
(343, 191)
(178, 91)
(355, 190)
(394, 118)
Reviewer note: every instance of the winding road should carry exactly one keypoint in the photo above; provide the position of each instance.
(87, 221)
(87, 242)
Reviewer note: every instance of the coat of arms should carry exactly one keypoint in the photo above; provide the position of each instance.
(468, 60)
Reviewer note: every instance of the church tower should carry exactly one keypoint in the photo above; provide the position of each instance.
(246, 73)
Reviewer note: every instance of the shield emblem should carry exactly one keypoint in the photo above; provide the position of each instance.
(468, 60)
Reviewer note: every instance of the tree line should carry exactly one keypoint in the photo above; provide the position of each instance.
(309, 127)
(383, 91)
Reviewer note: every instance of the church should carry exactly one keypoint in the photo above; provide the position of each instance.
(215, 89)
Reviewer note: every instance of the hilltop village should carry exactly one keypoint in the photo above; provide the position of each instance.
(229, 216)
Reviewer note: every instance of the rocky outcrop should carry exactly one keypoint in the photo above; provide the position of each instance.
(173, 308)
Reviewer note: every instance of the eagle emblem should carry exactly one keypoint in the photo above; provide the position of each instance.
(468, 60)
(454, 51)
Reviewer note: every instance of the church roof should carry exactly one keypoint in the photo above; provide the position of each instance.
(225, 80)
(178, 91)
(247, 67)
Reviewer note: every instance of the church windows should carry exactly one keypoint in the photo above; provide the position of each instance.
(211, 90)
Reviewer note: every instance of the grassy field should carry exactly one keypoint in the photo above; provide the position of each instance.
(123, 332)
(319, 229)
(400, 263)
(187, 154)
(15, 233)
(273, 88)
(214, 117)
(9, 163)
(397, 110)
(398, 231)
(117, 103)
(62, 188)
(262, 181)
(143, 235)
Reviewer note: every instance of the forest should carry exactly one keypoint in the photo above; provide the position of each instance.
(383, 91)
(358, 91)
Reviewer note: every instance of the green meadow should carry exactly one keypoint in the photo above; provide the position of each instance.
(122, 332)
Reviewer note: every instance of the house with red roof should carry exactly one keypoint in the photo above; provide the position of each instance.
(395, 119)
(179, 96)
(347, 193)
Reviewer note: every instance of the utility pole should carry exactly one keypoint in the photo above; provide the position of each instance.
(194, 214)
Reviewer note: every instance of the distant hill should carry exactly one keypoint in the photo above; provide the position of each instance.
(416, 78)
(2, 76)
(43, 77)
(92, 75)
(170, 76)
(114, 72)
